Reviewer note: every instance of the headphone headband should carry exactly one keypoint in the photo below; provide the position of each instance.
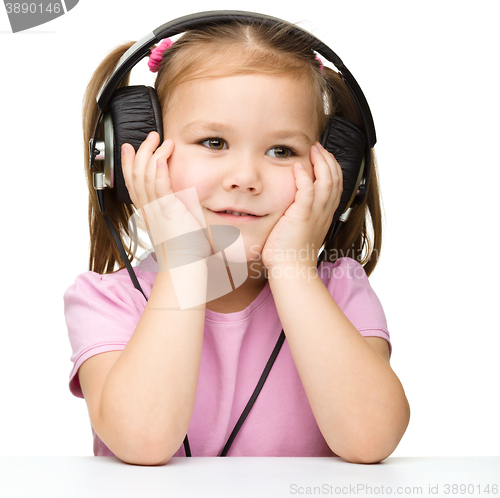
(142, 48)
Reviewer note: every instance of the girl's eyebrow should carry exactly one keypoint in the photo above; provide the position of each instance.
(205, 126)
(288, 134)
(201, 126)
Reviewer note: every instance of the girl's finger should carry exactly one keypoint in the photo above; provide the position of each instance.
(162, 181)
(328, 175)
(163, 153)
(128, 157)
(164, 200)
(332, 162)
(304, 197)
(142, 159)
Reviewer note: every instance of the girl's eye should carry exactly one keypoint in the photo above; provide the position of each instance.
(214, 143)
(281, 152)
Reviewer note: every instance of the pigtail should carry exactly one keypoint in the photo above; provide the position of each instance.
(103, 251)
(360, 238)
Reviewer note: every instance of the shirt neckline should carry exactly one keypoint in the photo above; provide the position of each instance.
(149, 264)
(214, 316)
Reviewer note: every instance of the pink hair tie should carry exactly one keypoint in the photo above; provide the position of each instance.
(321, 64)
(156, 55)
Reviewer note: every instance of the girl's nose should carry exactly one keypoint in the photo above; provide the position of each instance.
(244, 174)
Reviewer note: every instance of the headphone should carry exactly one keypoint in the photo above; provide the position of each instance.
(129, 114)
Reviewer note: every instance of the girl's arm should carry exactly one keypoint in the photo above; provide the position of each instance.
(358, 401)
(141, 409)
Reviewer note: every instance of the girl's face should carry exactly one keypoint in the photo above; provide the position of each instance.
(236, 140)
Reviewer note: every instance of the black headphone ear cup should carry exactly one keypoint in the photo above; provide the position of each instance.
(347, 143)
(135, 112)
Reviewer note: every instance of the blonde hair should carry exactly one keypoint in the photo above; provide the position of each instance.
(225, 50)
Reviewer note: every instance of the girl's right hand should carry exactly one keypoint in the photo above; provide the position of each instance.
(175, 233)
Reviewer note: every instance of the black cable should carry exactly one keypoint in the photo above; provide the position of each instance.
(187, 449)
(334, 232)
(116, 238)
(256, 392)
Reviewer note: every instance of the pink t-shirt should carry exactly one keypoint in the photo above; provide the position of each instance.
(102, 312)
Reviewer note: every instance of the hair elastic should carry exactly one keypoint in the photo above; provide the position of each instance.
(157, 53)
(321, 64)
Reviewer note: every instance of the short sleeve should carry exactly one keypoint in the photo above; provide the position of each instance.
(102, 312)
(348, 284)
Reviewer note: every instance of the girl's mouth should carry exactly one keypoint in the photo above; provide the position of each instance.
(236, 218)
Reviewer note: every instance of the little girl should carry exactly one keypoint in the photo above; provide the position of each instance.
(244, 105)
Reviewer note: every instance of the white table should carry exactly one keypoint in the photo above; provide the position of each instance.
(237, 477)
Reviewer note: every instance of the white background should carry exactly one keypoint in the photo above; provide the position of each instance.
(430, 72)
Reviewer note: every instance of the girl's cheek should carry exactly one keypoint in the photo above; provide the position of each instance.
(184, 181)
(183, 173)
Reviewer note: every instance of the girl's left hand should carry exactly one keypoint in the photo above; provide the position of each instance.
(299, 233)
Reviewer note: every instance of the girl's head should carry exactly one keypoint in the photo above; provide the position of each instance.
(249, 78)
